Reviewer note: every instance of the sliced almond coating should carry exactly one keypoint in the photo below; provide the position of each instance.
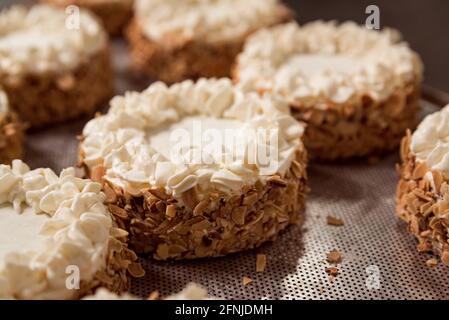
(333, 221)
(117, 211)
(170, 211)
(200, 207)
(238, 215)
(261, 262)
(247, 280)
(98, 173)
(119, 233)
(158, 193)
(111, 196)
(445, 258)
(419, 172)
(66, 82)
(136, 270)
(432, 263)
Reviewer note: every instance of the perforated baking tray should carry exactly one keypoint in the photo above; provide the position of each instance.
(380, 258)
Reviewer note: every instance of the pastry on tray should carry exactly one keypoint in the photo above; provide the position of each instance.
(114, 14)
(191, 292)
(58, 239)
(11, 132)
(174, 40)
(357, 89)
(423, 191)
(198, 169)
(51, 68)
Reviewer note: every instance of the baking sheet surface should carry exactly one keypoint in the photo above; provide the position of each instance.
(380, 260)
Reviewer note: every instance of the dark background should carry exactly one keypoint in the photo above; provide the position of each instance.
(423, 23)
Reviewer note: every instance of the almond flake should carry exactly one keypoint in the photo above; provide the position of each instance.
(247, 280)
(333, 221)
(261, 262)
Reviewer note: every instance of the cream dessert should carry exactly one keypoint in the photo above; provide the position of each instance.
(423, 191)
(11, 132)
(208, 160)
(177, 39)
(53, 66)
(57, 239)
(357, 89)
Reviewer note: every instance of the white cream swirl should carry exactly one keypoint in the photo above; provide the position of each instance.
(120, 140)
(208, 20)
(191, 292)
(47, 39)
(430, 141)
(76, 232)
(322, 60)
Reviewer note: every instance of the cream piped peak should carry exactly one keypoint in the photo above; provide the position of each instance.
(430, 141)
(70, 226)
(129, 140)
(326, 61)
(207, 20)
(46, 39)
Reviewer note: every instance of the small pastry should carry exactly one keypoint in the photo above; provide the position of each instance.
(198, 169)
(356, 89)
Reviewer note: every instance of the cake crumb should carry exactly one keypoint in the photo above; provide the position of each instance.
(247, 280)
(332, 271)
(154, 295)
(432, 263)
(333, 221)
(261, 262)
(334, 256)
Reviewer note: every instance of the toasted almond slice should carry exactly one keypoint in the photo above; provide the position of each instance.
(333, 221)
(247, 280)
(261, 262)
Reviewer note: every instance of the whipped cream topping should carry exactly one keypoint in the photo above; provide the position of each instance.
(323, 61)
(191, 292)
(46, 39)
(4, 106)
(131, 140)
(208, 20)
(430, 141)
(49, 223)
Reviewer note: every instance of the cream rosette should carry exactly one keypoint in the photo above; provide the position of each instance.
(53, 227)
(430, 142)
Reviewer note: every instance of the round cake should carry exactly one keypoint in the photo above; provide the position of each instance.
(198, 169)
(174, 40)
(357, 89)
(53, 67)
(114, 14)
(11, 132)
(423, 190)
(58, 240)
